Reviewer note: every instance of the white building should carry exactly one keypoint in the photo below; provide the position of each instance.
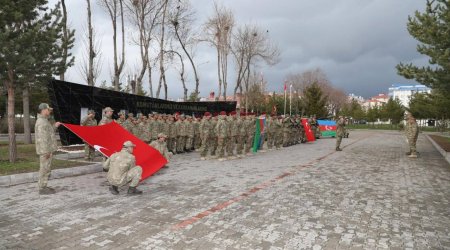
(375, 101)
(403, 92)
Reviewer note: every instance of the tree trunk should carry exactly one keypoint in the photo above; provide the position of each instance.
(90, 77)
(65, 49)
(192, 64)
(150, 83)
(162, 76)
(11, 125)
(218, 73)
(26, 115)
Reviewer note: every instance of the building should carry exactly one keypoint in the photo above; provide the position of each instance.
(375, 101)
(357, 98)
(403, 92)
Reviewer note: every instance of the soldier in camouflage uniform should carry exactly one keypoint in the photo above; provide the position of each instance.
(286, 131)
(205, 131)
(222, 133)
(128, 123)
(165, 127)
(89, 120)
(180, 126)
(135, 127)
(213, 136)
(45, 141)
(197, 139)
(143, 133)
(233, 134)
(241, 136)
(278, 132)
(107, 117)
(189, 133)
(172, 135)
(121, 119)
(161, 146)
(249, 133)
(122, 169)
(339, 132)
(270, 132)
(412, 133)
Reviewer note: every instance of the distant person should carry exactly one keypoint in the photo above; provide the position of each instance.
(340, 130)
(89, 120)
(45, 146)
(412, 132)
(107, 116)
(161, 146)
(122, 169)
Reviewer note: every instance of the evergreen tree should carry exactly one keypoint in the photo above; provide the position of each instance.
(30, 50)
(373, 114)
(394, 111)
(314, 101)
(431, 29)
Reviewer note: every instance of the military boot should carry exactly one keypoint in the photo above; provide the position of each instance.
(114, 190)
(338, 149)
(46, 190)
(134, 191)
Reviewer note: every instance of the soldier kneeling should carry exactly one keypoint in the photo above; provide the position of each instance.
(122, 169)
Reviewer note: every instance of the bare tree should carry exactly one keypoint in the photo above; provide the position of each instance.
(90, 66)
(218, 29)
(115, 9)
(144, 15)
(182, 22)
(67, 43)
(171, 54)
(162, 73)
(250, 46)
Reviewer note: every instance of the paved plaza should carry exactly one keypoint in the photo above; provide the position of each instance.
(369, 196)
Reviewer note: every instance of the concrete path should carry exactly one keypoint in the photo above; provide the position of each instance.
(307, 196)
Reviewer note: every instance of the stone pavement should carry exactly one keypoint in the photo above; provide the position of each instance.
(369, 196)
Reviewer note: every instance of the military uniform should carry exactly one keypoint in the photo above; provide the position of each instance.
(221, 132)
(286, 132)
(197, 139)
(46, 144)
(213, 136)
(107, 118)
(172, 136)
(189, 133)
(89, 152)
(205, 131)
(180, 126)
(249, 133)
(122, 169)
(412, 133)
(278, 133)
(270, 132)
(161, 146)
(339, 133)
(241, 136)
(233, 133)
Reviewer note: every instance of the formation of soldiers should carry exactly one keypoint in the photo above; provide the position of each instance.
(222, 136)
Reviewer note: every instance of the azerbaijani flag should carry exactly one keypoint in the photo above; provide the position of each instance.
(108, 139)
(327, 128)
(259, 137)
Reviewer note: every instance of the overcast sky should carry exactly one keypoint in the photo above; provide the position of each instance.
(357, 43)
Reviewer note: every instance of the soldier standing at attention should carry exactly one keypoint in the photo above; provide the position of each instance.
(278, 132)
(122, 169)
(412, 132)
(234, 133)
(270, 132)
(189, 133)
(180, 126)
(171, 142)
(197, 140)
(45, 146)
(205, 130)
(339, 132)
(89, 120)
(107, 118)
(121, 119)
(213, 136)
(241, 135)
(221, 132)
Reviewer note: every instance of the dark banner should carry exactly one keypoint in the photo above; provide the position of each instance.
(71, 102)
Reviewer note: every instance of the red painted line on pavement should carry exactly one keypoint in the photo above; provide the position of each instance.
(253, 190)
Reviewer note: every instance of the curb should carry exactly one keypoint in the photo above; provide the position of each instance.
(445, 154)
(16, 179)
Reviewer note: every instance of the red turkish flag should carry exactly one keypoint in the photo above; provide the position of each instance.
(109, 138)
(309, 133)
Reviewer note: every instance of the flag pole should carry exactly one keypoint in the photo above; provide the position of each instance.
(290, 100)
(284, 98)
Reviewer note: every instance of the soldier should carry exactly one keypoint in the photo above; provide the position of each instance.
(135, 127)
(180, 126)
(286, 131)
(107, 117)
(270, 132)
(122, 169)
(197, 140)
(279, 132)
(154, 128)
(221, 132)
(233, 134)
(143, 133)
(45, 146)
(128, 123)
(339, 132)
(189, 133)
(213, 136)
(205, 131)
(412, 132)
(165, 127)
(249, 133)
(89, 120)
(171, 142)
(121, 119)
(241, 136)
(161, 146)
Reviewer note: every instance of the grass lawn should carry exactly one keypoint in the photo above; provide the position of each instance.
(27, 160)
(443, 141)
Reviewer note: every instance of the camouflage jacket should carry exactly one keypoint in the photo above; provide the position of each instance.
(196, 128)
(205, 128)
(88, 121)
(189, 129)
(119, 164)
(105, 120)
(221, 128)
(161, 147)
(411, 130)
(172, 130)
(44, 136)
(180, 127)
(340, 127)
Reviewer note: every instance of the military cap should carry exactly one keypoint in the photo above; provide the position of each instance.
(243, 114)
(108, 109)
(223, 113)
(128, 144)
(130, 114)
(43, 106)
(162, 135)
(233, 113)
(91, 111)
(207, 114)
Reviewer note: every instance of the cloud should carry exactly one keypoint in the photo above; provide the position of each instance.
(357, 43)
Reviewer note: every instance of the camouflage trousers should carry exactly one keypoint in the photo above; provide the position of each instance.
(270, 140)
(249, 143)
(278, 141)
(286, 139)
(189, 143)
(213, 146)
(231, 144)
(206, 146)
(171, 144)
(412, 144)
(45, 163)
(133, 177)
(221, 144)
(197, 142)
(338, 141)
(181, 143)
(240, 140)
(89, 152)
